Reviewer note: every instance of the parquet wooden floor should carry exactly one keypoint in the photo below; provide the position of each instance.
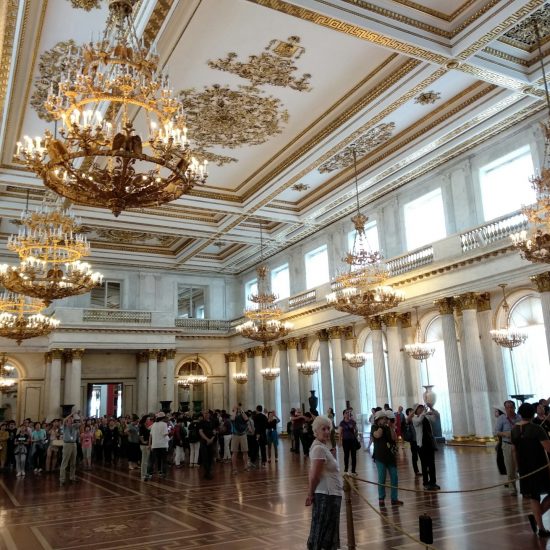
(260, 510)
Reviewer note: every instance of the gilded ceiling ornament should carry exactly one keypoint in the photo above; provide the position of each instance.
(127, 237)
(524, 32)
(87, 5)
(231, 118)
(274, 66)
(53, 65)
(367, 142)
(426, 98)
(214, 158)
(300, 187)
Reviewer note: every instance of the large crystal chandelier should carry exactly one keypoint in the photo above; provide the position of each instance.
(270, 373)
(356, 359)
(100, 160)
(195, 376)
(534, 245)
(308, 368)
(240, 378)
(507, 337)
(264, 324)
(360, 289)
(50, 249)
(20, 317)
(419, 350)
(7, 381)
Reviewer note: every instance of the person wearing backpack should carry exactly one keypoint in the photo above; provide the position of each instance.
(239, 441)
(194, 443)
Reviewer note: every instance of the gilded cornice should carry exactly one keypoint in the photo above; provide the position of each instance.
(375, 323)
(435, 13)
(506, 56)
(542, 281)
(484, 302)
(445, 305)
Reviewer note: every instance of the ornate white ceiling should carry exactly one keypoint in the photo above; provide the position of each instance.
(276, 92)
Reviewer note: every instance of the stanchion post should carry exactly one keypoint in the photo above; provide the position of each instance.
(349, 514)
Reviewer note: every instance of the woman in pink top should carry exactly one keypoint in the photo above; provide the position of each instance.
(86, 442)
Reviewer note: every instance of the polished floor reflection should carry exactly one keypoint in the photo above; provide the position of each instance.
(264, 509)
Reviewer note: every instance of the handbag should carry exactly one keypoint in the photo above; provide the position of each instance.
(357, 443)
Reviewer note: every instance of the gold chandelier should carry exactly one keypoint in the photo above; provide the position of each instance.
(360, 289)
(507, 337)
(270, 373)
(534, 245)
(264, 324)
(20, 318)
(100, 161)
(7, 381)
(195, 376)
(356, 359)
(419, 350)
(240, 377)
(308, 368)
(49, 248)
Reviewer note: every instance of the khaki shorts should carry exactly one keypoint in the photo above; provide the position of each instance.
(239, 443)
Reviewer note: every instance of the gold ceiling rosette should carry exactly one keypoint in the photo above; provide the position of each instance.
(98, 159)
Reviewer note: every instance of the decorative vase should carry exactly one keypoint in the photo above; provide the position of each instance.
(313, 401)
(197, 406)
(184, 406)
(165, 406)
(429, 395)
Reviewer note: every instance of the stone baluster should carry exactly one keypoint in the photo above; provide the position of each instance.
(335, 338)
(476, 367)
(326, 382)
(380, 380)
(142, 383)
(153, 404)
(542, 282)
(284, 413)
(293, 374)
(395, 362)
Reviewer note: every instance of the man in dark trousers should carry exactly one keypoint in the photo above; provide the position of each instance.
(260, 431)
(207, 434)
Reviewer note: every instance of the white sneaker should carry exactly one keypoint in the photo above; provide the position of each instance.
(23, 474)
(18, 474)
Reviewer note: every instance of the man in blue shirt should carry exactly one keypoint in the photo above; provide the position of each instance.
(503, 428)
(71, 435)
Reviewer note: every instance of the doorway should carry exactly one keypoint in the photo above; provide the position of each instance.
(104, 399)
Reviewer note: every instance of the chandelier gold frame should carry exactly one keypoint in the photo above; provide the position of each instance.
(355, 359)
(240, 378)
(50, 248)
(193, 378)
(7, 382)
(20, 318)
(421, 351)
(308, 368)
(99, 162)
(507, 337)
(270, 373)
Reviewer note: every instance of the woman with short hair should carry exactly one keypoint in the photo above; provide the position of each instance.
(325, 489)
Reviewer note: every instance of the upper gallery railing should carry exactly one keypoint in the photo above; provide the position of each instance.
(411, 260)
(493, 231)
(203, 325)
(117, 316)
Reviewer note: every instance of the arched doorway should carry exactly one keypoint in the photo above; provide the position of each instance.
(192, 379)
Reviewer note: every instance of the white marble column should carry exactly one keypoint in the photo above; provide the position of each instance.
(47, 374)
(240, 396)
(452, 364)
(411, 366)
(258, 378)
(395, 362)
(170, 387)
(141, 380)
(67, 381)
(251, 384)
(269, 385)
(293, 374)
(380, 381)
(305, 382)
(351, 375)
(326, 383)
(476, 367)
(231, 362)
(75, 391)
(464, 368)
(54, 386)
(161, 376)
(335, 339)
(542, 281)
(284, 413)
(153, 404)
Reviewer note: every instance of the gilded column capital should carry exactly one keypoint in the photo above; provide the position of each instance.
(304, 342)
(334, 332)
(152, 354)
(56, 353)
(68, 355)
(242, 356)
(48, 357)
(375, 323)
(258, 352)
(348, 333)
(250, 352)
(484, 302)
(162, 355)
(323, 335)
(390, 319)
(268, 351)
(230, 357)
(78, 353)
(292, 343)
(142, 356)
(281, 345)
(542, 281)
(405, 319)
(445, 305)
(171, 353)
(468, 300)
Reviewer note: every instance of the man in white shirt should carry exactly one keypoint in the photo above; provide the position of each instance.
(158, 443)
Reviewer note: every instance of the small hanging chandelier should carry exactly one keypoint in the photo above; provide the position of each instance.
(183, 382)
(507, 337)
(271, 373)
(50, 248)
(98, 162)
(20, 318)
(264, 324)
(196, 376)
(240, 378)
(419, 350)
(308, 368)
(7, 382)
(356, 359)
(360, 290)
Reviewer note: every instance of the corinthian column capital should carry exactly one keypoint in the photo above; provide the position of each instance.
(445, 305)
(542, 281)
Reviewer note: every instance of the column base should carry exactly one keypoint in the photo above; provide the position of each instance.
(470, 441)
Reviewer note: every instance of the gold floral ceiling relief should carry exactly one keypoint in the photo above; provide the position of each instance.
(524, 32)
(124, 236)
(87, 5)
(367, 142)
(231, 118)
(274, 66)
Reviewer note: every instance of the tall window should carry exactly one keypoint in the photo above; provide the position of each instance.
(317, 267)
(190, 302)
(425, 220)
(280, 281)
(371, 234)
(106, 296)
(505, 183)
(251, 287)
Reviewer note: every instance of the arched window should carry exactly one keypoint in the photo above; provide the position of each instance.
(434, 372)
(195, 393)
(526, 367)
(367, 387)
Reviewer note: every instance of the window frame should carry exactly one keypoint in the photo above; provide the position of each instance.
(274, 272)
(436, 191)
(104, 285)
(317, 250)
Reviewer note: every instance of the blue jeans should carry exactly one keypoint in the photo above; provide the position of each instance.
(382, 469)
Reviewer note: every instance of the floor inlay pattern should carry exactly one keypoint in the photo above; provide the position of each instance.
(111, 508)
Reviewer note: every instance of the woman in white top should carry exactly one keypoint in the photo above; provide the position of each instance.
(325, 489)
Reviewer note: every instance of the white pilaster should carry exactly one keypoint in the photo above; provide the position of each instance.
(380, 381)
(324, 355)
(141, 379)
(293, 374)
(152, 396)
(335, 338)
(54, 385)
(395, 362)
(284, 413)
